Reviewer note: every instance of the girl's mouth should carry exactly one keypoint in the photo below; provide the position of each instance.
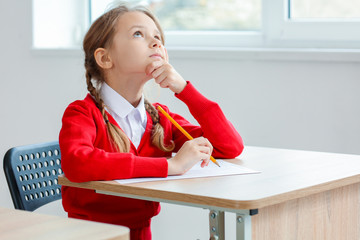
(156, 55)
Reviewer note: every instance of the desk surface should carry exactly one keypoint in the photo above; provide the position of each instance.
(286, 175)
(18, 224)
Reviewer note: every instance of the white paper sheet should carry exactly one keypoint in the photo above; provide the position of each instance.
(197, 172)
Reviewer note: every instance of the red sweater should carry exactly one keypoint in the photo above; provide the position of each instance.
(87, 155)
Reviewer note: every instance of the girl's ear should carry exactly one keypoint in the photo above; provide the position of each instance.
(102, 58)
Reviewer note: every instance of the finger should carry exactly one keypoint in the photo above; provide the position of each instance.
(205, 142)
(164, 83)
(204, 157)
(160, 79)
(205, 163)
(209, 145)
(157, 72)
(152, 66)
(166, 55)
(202, 141)
(199, 140)
(204, 149)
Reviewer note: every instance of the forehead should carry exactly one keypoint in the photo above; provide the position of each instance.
(130, 19)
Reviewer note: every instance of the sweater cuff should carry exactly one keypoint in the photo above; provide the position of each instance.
(194, 99)
(150, 167)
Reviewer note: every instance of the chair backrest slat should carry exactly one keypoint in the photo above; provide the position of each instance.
(31, 172)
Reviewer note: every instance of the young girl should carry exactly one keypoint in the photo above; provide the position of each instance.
(114, 133)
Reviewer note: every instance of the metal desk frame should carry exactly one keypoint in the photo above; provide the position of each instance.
(216, 216)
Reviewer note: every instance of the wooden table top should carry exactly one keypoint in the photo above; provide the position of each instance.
(18, 224)
(285, 175)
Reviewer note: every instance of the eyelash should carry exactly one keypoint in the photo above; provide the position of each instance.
(138, 32)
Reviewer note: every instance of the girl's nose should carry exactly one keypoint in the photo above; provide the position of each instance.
(155, 44)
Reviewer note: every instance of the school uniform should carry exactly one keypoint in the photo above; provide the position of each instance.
(88, 155)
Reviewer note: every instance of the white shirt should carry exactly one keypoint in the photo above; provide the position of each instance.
(131, 120)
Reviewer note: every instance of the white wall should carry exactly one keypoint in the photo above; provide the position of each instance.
(312, 105)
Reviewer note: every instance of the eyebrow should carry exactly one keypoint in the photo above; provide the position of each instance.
(141, 26)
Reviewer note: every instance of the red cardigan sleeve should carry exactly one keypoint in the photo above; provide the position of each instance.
(214, 126)
(82, 132)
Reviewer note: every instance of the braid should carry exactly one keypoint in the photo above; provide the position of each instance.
(152, 111)
(119, 139)
(100, 35)
(157, 136)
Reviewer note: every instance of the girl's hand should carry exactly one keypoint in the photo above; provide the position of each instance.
(193, 151)
(165, 75)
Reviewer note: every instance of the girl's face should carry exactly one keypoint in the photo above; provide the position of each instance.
(136, 43)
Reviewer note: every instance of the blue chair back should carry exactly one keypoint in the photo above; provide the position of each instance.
(31, 172)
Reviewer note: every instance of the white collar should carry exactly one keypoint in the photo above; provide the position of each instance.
(118, 104)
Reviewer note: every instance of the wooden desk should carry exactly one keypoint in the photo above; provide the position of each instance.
(298, 195)
(18, 224)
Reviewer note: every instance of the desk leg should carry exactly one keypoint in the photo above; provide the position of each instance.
(243, 226)
(216, 224)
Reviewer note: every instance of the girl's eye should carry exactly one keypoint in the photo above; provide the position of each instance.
(157, 37)
(137, 34)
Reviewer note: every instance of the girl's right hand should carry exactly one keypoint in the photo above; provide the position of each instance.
(165, 75)
(193, 151)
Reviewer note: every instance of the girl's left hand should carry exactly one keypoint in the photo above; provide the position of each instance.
(165, 75)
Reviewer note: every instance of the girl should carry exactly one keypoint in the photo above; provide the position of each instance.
(114, 133)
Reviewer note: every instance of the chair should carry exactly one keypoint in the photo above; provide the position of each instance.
(31, 172)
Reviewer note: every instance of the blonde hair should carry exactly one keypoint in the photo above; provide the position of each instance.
(100, 35)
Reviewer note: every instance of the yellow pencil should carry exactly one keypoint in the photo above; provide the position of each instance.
(182, 130)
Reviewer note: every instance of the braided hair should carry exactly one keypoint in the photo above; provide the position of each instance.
(100, 35)
(157, 136)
